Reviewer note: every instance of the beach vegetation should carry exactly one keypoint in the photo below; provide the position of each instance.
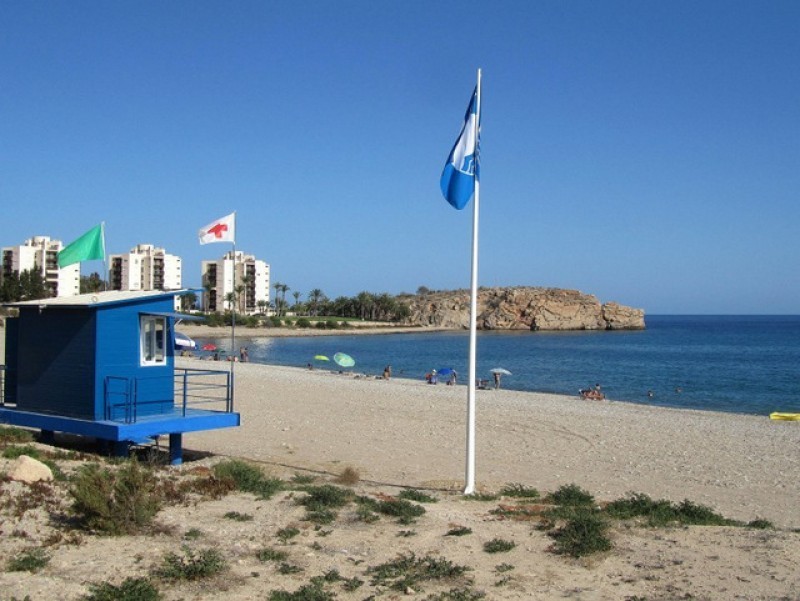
(659, 513)
(239, 517)
(307, 592)
(289, 568)
(303, 322)
(761, 524)
(131, 589)
(248, 478)
(412, 494)
(459, 531)
(14, 435)
(270, 554)
(584, 534)
(349, 476)
(407, 533)
(325, 497)
(303, 479)
(288, 533)
(498, 545)
(13, 452)
(31, 560)
(407, 571)
(571, 495)
(193, 534)
(520, 491)
(191, 565)
(457, 594)
(118, 502)
(275, 321)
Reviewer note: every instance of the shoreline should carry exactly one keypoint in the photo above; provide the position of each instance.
(404, 432)
(201, 331)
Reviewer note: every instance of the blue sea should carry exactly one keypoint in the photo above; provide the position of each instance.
(739, 364)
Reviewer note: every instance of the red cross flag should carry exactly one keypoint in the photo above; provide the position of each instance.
(221, 230)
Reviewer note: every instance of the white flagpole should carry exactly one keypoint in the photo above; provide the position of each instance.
(469, 487)
(233, 313)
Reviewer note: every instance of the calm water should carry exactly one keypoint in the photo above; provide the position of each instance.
(742, 364)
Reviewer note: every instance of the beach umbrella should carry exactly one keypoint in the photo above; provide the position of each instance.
(321, 358)
(344, 360)
(182, 341)
(445, 371)
(209, 347)
(500, 370)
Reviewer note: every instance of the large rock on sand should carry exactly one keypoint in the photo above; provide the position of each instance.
(28, 469)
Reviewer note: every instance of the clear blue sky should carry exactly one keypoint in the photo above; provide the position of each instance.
(646, 152)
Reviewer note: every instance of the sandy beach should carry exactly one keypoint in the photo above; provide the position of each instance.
(408, 433)
(404, 433)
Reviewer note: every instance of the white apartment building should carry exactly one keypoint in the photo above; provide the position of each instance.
(218, 283)
(145, 268)
(41, 253)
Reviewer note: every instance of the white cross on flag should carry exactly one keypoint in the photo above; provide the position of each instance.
(221, 230)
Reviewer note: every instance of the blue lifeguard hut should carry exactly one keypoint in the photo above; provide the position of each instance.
(103, 365)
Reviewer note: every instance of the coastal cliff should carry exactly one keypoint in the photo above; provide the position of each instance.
(523, 308)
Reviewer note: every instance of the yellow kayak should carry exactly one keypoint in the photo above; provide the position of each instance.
(791, 417)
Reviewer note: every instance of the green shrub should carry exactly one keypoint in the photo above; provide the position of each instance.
(308, 592)
(248, 478)
(498, 545)
(269, 554)
(14, 451)
(404, 510)
(583, 535)
(287, 533)
(761, 524)
(662, 512)
(275, 321)
(239, 517)
(519, 490)
(131, 589)
(407, 571)
(460, 531)
(480, 496)
(116, 503)
(325, 497)
(31, 560)
(11, 434)
(571, 495)
(332, 324)
(411, 494)
(192, 565)
(320, 325)
(303, 322)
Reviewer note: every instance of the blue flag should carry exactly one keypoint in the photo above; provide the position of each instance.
(462, 168)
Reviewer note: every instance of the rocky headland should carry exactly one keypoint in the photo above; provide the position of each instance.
(522, 308)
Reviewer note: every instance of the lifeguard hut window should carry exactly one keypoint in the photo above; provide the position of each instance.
(153, 335)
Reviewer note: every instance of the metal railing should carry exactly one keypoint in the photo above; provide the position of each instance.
(205, 389)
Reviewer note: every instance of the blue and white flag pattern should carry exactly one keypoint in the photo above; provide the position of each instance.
(462, 168)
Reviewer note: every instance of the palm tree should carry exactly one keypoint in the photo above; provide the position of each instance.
(314, 299)
(296, 295)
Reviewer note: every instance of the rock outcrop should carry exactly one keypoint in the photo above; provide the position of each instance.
(523, 308)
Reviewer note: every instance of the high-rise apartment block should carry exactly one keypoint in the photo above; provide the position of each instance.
(41, 253)
(238, 276)
(145, 268)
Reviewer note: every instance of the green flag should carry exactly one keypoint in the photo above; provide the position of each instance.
(91, 245)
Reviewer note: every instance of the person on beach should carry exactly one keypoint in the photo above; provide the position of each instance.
(496, 380)
(431, 378)
(387, 372)
(453, 377)
(243, 357)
